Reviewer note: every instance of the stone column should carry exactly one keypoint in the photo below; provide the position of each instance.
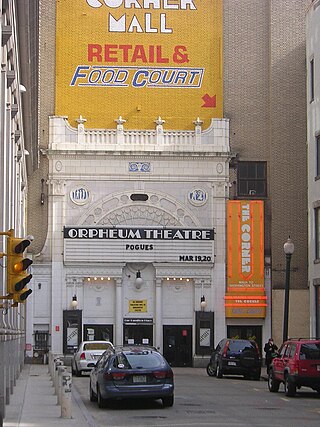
(56, 223)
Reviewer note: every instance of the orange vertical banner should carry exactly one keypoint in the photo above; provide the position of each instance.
(245, 256)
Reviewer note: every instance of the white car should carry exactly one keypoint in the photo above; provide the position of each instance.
(87, 355)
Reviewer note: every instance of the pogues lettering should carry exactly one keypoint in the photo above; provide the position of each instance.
(139, 247)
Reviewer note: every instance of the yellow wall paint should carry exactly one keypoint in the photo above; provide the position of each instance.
(112, 57)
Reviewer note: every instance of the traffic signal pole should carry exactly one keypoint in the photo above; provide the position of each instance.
(2, 254)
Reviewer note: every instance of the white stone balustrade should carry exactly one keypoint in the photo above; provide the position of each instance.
(213, 139)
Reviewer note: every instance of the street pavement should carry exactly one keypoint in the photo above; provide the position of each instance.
(34, 402)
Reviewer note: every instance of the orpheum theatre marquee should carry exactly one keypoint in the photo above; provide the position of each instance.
(156, 244)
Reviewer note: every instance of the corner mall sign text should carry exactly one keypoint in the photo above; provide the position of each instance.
(132, 24)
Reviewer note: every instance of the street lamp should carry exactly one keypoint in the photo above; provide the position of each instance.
(203, 303)
(138, 281)
(288, 248)
(74, 302)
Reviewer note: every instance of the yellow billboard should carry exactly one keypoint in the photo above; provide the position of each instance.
(139, 59)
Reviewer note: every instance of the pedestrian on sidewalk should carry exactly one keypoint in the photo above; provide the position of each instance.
(270, 349)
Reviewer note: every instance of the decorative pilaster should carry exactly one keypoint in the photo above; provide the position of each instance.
(58, 293)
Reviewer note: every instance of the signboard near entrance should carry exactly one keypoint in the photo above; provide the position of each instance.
(139, 59)
(138, 306)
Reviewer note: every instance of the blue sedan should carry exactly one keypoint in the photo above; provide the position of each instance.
(131, 372)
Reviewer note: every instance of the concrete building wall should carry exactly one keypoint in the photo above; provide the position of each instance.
(18, 142)
(313, 114)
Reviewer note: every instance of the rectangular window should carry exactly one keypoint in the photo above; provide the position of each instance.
(318, 155)
(317, 232)
(252, 179)
(312, 80)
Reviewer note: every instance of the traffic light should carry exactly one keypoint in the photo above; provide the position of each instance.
(17, 265)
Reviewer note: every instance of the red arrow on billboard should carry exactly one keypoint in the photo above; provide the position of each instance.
(209, 101)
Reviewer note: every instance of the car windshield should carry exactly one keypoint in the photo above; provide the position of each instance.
(310, 351)
(237, 346)
(96, 346)
(141, 360)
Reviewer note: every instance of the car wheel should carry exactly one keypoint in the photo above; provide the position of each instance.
(78, 373)
(102, 403)
(273, 384)
(210, 371)
(167, 401)
(289, 388)
(93, 396)
(219, 371)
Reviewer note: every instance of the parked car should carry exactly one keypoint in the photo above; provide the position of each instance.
(87, 355)
(132, 372)
(296, 365)
(235, 357)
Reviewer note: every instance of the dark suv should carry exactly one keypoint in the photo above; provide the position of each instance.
(235, 356)
(297, 364)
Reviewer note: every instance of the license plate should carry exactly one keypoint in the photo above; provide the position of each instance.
(139, 379)
(232, 364)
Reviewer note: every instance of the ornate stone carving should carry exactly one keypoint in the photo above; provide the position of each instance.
(158, 210)
(57, 187)
(139, 166)
(74, 281)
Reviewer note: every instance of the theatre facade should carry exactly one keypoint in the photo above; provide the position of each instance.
(137, 243)
(135, 251)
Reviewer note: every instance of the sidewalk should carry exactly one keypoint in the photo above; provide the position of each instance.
(34, 403)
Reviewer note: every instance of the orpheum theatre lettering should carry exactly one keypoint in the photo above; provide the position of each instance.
(138, 233)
